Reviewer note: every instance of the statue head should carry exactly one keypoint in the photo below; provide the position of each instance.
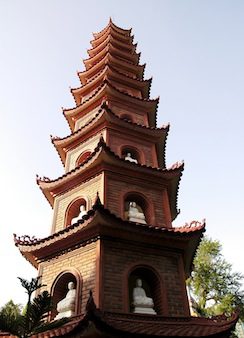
(133, 204)
(71, 285)
(139, 282)
(82, 207)
(128, 155)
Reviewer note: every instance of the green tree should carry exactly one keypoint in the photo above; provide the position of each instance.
(33, 318)
(214, 287)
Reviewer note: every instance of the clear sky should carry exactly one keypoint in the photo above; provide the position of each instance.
(194, 51)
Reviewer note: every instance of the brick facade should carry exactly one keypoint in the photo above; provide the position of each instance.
(82, 260)
(119, 257)
(87, 190)
(118, 186)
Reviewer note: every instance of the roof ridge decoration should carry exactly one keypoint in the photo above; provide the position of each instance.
(130, 48)
(102, 145)
(109, 48)
(107, 82)
(116, 28)
(105, 106)
(140, 67)
(98, 206)
(120, 325)
(109, 72)
(108, 67)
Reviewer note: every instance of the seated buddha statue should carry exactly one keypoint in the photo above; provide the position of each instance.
(66, 306)
(134, 215)
(142, 303)
(81, 214)
(128, 157)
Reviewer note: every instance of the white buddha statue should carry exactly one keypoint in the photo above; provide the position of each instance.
(66, 306)
(128, 157)
(134, 215)
(142, 303)
(81, 214)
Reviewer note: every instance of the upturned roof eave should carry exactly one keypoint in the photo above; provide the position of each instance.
(115, 27)
(100, 222)
(150, 105)
(156, 133)
(128, 57)
(102, 155)
(95, 322)
(126, 39)
(131, 48)
(110, 72)
(63, 145)
(137, 69)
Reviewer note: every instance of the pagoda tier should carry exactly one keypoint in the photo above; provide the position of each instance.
(140, 88)
(105, 119)
(112, 230)
(123, 38)
(111, 25)
(125, 47)
(134, 71)
(100, 223)
(97, 323)
(116, 52)
(164, 183)
(171, 248)
(121, 103)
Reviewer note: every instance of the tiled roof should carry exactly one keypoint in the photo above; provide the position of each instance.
(144, 85)
(139, 69)
(110, 111)
(98, 207)
(131, 58)
(128, 47)
(102, 145)
(98, 323)
(173, 174)
(147, 104)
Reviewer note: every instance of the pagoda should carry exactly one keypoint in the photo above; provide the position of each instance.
(112, 244)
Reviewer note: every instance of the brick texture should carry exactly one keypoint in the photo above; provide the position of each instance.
(82, 259)
(88, 145)
(117, 188)
(118, 257)
(88, 190)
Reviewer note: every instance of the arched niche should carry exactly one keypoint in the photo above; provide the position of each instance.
(142, 205)
(134, 153)
(73, 209)
(59, 290)
(83, 157)
(150, 283)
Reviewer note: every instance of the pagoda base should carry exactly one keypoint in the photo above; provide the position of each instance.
(145, 310)
(65, 314)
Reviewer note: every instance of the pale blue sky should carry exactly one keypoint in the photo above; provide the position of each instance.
(194, 51)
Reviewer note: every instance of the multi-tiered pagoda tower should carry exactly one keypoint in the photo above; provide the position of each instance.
(114, 207)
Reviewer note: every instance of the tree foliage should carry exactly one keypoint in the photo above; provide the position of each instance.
(215, 288)
(33, 317)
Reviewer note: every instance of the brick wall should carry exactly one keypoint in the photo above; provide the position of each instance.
(118, 257)
(88, 190)
(86, 118)
(83, 260)
(137, 116)
(74, 154)
(118, 187)
(145, 149)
